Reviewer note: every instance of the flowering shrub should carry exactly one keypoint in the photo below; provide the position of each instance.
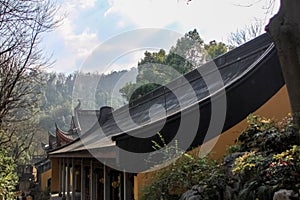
(265, 159)
(272, 158)
(284, 169)
(265, 135)
(247, 163)
(170, 182)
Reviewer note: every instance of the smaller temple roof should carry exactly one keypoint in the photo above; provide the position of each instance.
(63, 137)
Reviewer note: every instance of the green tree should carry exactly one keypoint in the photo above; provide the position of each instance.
(153, 71)
(128, 90)
(150, 67)
(159, 68)
(188, 52)
(8, 176)
(56, 101)
(214, 49)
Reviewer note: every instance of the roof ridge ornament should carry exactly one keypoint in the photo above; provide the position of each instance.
(78, 105)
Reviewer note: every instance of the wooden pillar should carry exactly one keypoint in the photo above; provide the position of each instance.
(60, 175)
(64, 178)
(91, 181)
(83, 177)
(129, 185)
(124, 185)
(68, 180)
(96, 185)
(106, 183)
(76, 178)
(73, 179)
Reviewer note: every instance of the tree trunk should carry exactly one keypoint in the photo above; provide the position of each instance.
(284, 29)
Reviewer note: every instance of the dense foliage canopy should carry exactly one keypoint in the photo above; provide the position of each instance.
(159, 68)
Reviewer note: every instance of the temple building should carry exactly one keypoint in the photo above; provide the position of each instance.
(102, 155)
(76, 173)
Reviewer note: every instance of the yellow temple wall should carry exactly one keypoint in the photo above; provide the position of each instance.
(45, 176)
(55, 175)
(275, 108)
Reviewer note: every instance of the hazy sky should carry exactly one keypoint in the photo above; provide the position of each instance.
(89, 23)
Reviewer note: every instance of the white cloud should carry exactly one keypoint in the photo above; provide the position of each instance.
(77, 46)
(69, 5)
(76, 42)
(81, 44)
(87, 3)
(76, 37)
(213, 18)
(121, 24)
(123, 51)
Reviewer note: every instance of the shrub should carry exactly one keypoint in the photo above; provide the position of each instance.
(265, 135)
(8, 176)
(265, 159)
(173, 180)
(184, 171)
(271, 160)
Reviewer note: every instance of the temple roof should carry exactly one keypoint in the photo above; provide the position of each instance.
(65, 137)
(80, 123)
(237, 69)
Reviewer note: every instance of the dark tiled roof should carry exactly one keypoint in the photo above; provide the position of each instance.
(233, 66)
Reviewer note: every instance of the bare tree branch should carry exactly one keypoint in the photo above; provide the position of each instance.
(247, 33)
(22, 22)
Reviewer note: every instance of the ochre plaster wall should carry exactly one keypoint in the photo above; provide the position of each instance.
(55, 175)
(44, 179)
(275, 108)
